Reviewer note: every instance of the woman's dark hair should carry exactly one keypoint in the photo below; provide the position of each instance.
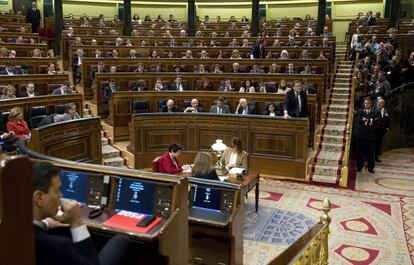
(237, 144)
(174, 148)
(44, 172)
(271, 103)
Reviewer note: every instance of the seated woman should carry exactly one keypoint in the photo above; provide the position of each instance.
(17, 124)
(71, 113)
(273, 110)
(168, 162)
(247, 87)
(203, 167)
(9, 92)
(204, 85)
(234, 156)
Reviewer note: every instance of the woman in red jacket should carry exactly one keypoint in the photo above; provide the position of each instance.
(17, 124)
(168, 162)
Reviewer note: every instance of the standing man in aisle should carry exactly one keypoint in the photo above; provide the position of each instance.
(33, 17)
(366, 126)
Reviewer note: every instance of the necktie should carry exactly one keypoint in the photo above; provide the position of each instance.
(219, 111)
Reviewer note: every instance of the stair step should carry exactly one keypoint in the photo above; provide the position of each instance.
(325, 170)
(104, 141)
(109, 152)
(115, 162)
(336, 139)
(332, 121)
(336, 114)
(327, 158)
(325, 179)
(331, 147)
(335, 95)
(334, 130)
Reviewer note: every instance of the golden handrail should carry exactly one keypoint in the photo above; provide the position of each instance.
(312, 247)
(343, 181)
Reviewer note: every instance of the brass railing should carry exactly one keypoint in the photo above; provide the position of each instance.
(343, 182)
(312, 247)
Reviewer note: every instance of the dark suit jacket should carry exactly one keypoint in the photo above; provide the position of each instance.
(225, 109)
(15, 71)
(34, 18)
(165, 109)
(366, 129)
(239, 70)
(24, 94)
(107, 94)
(174, 86)
(75, 62)
(258, 52)
(138, 88)
(372, 21)
(212, 175)
(250, 110)
(290, 104)
(52, 250)
(382, 122)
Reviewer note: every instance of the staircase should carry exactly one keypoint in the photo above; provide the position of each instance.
(326, 161)
(340, 52)
(110, 155)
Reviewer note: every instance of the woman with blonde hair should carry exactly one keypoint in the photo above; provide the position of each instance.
(17, 124)
(9, 92)
(203, 167)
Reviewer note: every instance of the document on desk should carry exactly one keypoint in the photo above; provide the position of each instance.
(223, 178)
(187, 170)
(128, 221)
(236, 170)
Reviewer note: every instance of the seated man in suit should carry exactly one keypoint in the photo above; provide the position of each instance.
(107, 94)
(55, 249)
(170, 107)
(65, 89)
(290, 69)
(194, 108)
(7, 142)
(236, 68)
(159, 86)
(220, 107)
(100, 68)
(30, 90)
(296, 102)
(243, 108)
(309, 90)
(227, 86)
(178, 85)
(371, 21)
(10, 69)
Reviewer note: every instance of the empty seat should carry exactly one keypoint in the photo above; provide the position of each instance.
(35, 115)
(140, 106)
(51, 87)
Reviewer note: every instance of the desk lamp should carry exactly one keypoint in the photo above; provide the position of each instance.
(219, 148)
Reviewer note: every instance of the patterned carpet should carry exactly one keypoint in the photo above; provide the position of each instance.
(373, 225)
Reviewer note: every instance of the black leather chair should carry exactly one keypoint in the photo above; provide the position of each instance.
(35, 115)
(161, 103)
(140, 106)
(60, 109)
(4, 120)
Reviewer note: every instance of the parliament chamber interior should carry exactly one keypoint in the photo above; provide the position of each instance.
(206, 132)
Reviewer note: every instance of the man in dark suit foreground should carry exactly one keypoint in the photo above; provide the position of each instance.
(296, 102)
(54, 249)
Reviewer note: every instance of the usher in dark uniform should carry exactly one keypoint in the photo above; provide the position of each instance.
(366, 126)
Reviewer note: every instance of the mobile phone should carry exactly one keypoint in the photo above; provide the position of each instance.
(146, 221)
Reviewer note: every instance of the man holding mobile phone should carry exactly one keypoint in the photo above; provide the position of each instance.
(55, 249)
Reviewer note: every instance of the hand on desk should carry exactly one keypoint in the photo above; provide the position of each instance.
(186, 167)
(71, 214)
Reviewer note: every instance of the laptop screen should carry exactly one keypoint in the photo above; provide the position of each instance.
(206, 198)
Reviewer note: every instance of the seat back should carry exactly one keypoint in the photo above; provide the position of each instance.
(4, 120)
(35, 115)
(156, 164)
(161, 103)
(60, 109)
(51, 87)
(140, 106)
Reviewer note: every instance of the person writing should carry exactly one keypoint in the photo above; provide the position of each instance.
(203, 167)
(234, 156)
(168, 162)
(78, 249)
